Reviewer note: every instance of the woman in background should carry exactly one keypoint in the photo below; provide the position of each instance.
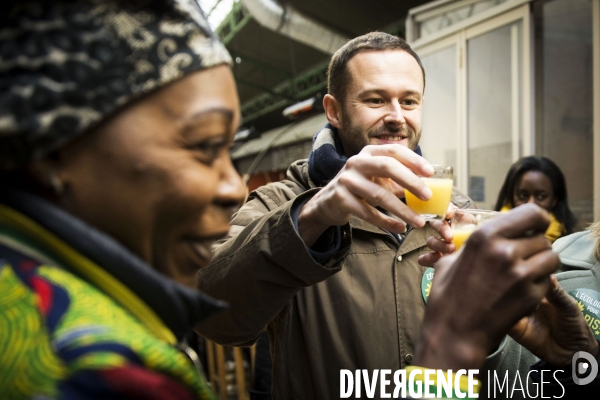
(539, 180)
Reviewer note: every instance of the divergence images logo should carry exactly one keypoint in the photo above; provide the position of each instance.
(580, 366)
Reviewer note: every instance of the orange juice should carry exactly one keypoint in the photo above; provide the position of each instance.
(437, 205)
(460, 235)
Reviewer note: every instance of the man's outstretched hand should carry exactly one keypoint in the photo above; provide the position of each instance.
(441, 245)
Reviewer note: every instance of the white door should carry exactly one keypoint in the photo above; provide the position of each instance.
(477, 102)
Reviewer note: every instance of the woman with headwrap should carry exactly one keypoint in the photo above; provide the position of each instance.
(115, 123)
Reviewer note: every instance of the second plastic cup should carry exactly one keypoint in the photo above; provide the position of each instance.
(466, 221)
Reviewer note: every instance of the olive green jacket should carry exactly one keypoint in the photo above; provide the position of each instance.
(361, 310)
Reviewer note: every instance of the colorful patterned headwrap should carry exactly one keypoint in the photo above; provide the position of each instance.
(67, 65)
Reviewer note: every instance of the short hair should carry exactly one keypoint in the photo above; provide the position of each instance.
(559, 187)
(337, 73)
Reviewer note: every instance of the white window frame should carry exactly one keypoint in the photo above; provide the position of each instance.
(457, 35)
(434, 8)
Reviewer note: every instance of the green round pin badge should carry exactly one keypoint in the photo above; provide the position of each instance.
(426, 283)
(588, 301)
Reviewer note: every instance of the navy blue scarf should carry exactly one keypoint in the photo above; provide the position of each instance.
(327, 156)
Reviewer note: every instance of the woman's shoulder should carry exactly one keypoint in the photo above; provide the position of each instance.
(577, 251)
(577, 246)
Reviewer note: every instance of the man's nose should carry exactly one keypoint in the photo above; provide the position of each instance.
(531, 199)
(395, 114)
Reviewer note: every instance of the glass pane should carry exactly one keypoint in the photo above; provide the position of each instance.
(564, 96)
(447, 16)
(438, 141)
(492, 116)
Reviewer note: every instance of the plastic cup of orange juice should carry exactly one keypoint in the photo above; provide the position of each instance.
(441, 184)
(466, 221)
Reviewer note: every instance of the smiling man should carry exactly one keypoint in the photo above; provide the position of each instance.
(327, 260)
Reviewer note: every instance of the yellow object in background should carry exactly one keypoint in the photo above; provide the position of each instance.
(555, 230)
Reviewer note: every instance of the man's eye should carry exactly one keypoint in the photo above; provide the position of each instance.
(375, 101)
(542, 197)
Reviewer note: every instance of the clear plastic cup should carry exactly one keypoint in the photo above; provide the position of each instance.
(441, 184)
(466, 221)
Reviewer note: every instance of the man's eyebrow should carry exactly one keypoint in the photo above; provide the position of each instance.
(372, 91)
(383, 92)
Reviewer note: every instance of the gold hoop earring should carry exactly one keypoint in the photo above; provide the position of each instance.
(57, 185)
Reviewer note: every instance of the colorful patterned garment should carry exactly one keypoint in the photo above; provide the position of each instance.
(70, 330)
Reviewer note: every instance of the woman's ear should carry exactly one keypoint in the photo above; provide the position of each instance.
(46, 174)
(333, 110)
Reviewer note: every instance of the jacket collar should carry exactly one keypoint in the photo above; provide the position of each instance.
(578, 250)
(168, 309)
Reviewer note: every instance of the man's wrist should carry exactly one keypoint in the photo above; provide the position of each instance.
(310, 227)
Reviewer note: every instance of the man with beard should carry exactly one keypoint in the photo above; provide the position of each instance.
(327, 261)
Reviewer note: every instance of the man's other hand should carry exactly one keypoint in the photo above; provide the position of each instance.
(440, 245)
